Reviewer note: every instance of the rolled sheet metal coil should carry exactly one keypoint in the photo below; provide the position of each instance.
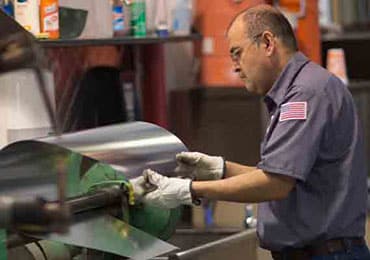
(129, 148)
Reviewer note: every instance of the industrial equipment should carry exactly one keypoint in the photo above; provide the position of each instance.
(97, 164)
(69, 196)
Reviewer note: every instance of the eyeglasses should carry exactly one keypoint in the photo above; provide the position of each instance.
(236, 52)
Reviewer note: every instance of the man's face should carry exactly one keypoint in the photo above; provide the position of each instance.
(248, 58)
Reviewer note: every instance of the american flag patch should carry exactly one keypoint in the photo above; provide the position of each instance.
(293, 110)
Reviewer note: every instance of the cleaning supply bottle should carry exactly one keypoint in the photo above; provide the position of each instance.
(138, 18)
(26, 13)
(49, 18)
(121, 17)
(182, 17)
(161, 19)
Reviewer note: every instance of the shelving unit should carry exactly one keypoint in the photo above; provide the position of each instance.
(359, 85)
(355, 45)
(345, 36)
(129, 40)
(151, 62)
(147, 55)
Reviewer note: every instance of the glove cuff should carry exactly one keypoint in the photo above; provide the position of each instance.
(196, 201)
(223, 168)
(220, 170)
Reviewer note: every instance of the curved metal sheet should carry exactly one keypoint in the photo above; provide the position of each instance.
(29, 168)
(129, 148)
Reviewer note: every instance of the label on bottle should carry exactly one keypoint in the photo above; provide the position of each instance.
(50, 22)
(118, 18)
(51, 19)
(51, 8)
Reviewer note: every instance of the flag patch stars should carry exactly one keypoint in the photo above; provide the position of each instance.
(293, 111)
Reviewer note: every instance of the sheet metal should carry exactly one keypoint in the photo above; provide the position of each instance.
(30, 168)
(113, 236)
(237, 246)
(129, 148)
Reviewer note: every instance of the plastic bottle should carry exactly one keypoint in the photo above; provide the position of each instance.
(161, 20)
(49, 18)
(121, 17)
(150, 16)
(138, 18)
(182, 17)
(26, 13)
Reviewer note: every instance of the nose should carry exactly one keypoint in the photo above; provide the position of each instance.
(236, 66)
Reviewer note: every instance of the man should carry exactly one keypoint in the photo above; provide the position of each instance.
(311, 181)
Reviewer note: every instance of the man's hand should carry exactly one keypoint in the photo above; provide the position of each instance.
(203, 167)
(168, 193)
(138, 185)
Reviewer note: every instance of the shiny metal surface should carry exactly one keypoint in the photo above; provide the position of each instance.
(29, 169)
(129, 148)
(242, 245)
(108, 234)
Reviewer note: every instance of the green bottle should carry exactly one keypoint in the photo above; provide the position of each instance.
(138, 18)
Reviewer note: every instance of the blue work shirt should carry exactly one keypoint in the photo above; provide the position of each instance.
(314, 136)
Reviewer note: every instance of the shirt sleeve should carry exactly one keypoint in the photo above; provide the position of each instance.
(291, 146)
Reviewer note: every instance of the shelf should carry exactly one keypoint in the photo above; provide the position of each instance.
(359, 85)
(128, 40)
(346, 36)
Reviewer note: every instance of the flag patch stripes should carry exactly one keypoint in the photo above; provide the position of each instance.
(293, 111)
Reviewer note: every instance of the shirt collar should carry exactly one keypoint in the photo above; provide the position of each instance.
(279, 89)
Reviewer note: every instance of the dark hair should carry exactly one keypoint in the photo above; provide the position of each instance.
(264, 17)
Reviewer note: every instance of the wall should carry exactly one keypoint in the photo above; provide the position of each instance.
(219, 121)
(212, 20)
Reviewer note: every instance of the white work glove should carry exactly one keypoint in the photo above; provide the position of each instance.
(200, 166)
(164, 192)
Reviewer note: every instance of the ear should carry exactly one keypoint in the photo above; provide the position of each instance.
(268, 42)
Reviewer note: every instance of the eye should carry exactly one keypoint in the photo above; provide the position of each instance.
(235, 54)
